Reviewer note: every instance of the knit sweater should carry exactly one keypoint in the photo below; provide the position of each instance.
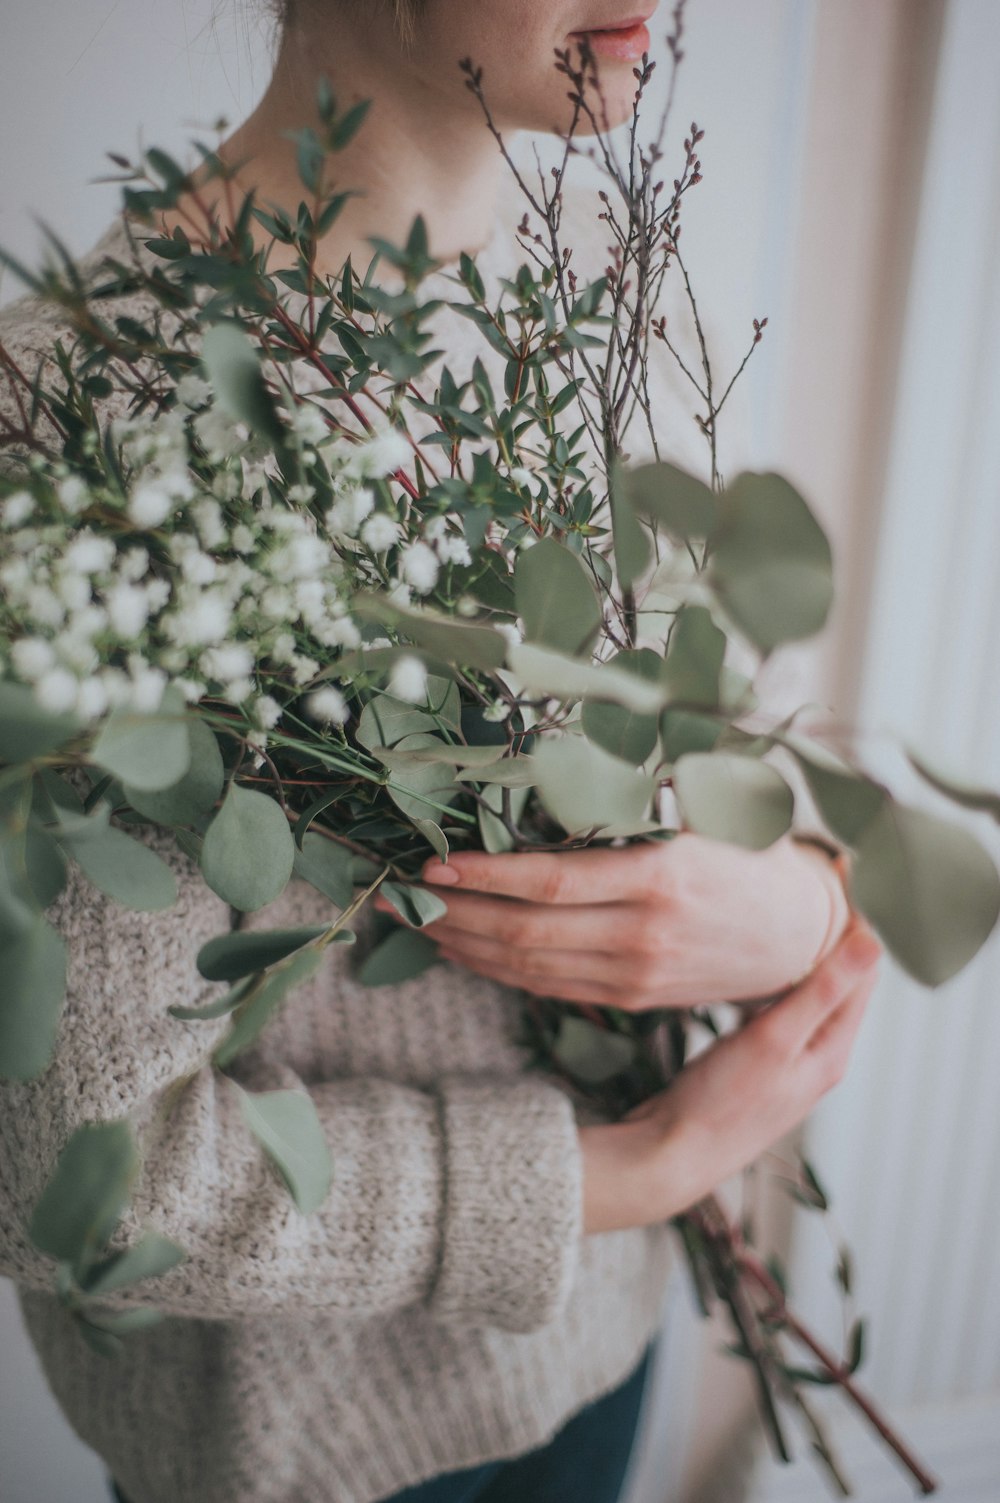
(442, 1307)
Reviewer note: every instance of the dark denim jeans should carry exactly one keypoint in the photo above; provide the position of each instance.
(584, 1463)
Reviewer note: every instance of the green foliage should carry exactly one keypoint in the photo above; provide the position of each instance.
(288, 1128)
(556, 599)
(147, 750)
(403, 954)
(733, 798)
(248, 851)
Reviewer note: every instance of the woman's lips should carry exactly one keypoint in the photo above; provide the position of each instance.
(627, 42)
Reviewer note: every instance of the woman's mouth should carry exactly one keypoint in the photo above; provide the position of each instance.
(626, 42)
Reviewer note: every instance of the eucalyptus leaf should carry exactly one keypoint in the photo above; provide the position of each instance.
(592, 1054)
(848, 801)
(227, 957)
(125, 869)
(151, 1256)
(433, 834)
(466, 644)
(403, 954)
(493, 832)
(633, 549)
(44, 863)
(232, 365)
(968, 795)
(556, 598)
(194, 796)
(619, 730)
(147, 749)
(678, 501)
(26, 729)
(419, 788)
(549, 672)
(256, 1012)
(509, 772)
(684, 731)
(216, 1009)
(288, 1128)
(89, 1189)
(929, 889)
(771, 565)
(583, 787)
(417, 905)
(327, 865)
(34, 985)
(248, 850)
(733, 798)
(693, 665)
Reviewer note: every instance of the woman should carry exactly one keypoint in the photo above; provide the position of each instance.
(470, 1313)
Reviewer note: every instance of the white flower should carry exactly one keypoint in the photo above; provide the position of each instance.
(157, 593)
(301, 493)
(419, 567)
(192, 391)
(408, 679)
(73, 494)
(453, 550)
(91, 698)
(32, 656)
(309, 423)
(57, 690)
(73, 590)
(150, 504)
(309, 599)
(327, 705)
(132, 564)
(128, 609)
(340, 631)
(276, 603)
(498, 710)
(435, 528)
(348, 512)
(89, 554)
(45, 608)
(117, 685)
(192, 689)
(17, 508)
(241, 539)
(227, 485)
(509, 630)
(303, 668)
(199, 620)
(398, 593)
(380, 532)
(148, 685)
(218, 434)
(266, 711)
(232, 660)
(299, 557)
(197, 567)
(380, 454)
(239, 689)
(207, 515)
(531, 482)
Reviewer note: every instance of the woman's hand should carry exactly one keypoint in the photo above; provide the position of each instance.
(734, 1099)
(677, 923)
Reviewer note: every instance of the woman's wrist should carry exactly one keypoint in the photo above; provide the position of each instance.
(622, 1175)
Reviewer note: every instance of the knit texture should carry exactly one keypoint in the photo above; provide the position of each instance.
(442, 1307)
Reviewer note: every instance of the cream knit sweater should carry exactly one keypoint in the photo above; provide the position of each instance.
(442, 1307)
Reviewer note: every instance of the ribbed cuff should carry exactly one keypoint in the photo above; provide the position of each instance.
(513, 1209)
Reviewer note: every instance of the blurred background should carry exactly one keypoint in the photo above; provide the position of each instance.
(851, 196)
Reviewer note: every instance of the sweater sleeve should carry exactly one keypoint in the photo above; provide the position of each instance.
(465, 1196)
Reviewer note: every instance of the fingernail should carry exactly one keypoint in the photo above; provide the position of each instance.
(443, 876)
(861, 949)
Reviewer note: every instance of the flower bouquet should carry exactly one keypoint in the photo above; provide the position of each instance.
(333, 632)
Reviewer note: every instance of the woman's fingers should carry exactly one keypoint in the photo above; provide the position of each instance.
(532, 926)
(601, 966)
(792, 1022)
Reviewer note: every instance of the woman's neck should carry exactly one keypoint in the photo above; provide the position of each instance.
(416, 152)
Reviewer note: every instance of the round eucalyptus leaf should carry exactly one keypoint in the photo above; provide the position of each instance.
(633, 548)
(556, 598)
(83, 1201)
(327, 865)
(434, 835)
(45, 864)
(31, 999)
(227, 957)
(386, 720)
(618, 730)
(771, 565)
(26, 729)
(232, 365)
(195, 795)
(263, 1000)
(288, 1128)
(684, 731)
(693, 664)
(248, 850)
(151, 1256)
(417, 905)
(847, 800)
(146, 749)
(590, 1053)
(403, 954)
(125, 869)
(584, 787)
(421, 788)
(678, 501)
(929, 889)
(733, 798)
(548, 672)
(955, 787)
(466, 644)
